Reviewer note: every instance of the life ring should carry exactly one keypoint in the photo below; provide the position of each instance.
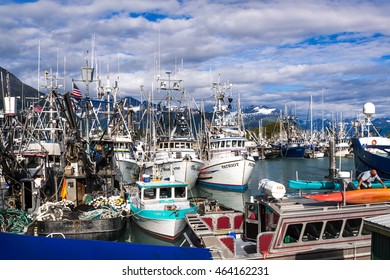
(373, 142)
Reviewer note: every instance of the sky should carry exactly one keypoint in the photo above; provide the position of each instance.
(280, 54)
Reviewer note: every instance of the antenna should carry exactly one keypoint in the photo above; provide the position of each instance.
(64, 73)
(39, 66)
(93, 48)
(369, 111)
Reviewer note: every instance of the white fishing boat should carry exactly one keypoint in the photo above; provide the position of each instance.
(174, 146)
(160, 206)
(253, 149)
(119, 131)
(125, 160)
(228, 165)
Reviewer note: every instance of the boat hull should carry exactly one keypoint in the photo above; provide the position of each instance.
(293, 152)
(164, 223)
(128, 171)
(366, 156)
(100, 229)
(231, 174)
(355, 196)
(184, 170)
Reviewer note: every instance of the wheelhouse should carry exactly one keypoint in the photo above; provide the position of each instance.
(288, 225)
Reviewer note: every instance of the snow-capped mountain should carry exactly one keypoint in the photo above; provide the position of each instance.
(253, 114)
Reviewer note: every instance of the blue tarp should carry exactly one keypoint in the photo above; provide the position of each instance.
(26, 247)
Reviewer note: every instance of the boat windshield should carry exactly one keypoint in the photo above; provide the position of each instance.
(165, 193)
(180, 192)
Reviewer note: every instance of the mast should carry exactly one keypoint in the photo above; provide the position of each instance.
(322, 113)
(311, 119)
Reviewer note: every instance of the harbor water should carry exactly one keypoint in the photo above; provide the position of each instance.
(278, 170)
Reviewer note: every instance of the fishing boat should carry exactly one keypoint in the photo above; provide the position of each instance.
(371, 151)
(279, 226)
(227, 163)
(173, 146)
(159, 206)
(100, 218)
(113, 125)
(253, 149)
(291, 142)
(53, 156)
(354, 196)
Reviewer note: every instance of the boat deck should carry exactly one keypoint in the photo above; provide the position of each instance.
(216, 231)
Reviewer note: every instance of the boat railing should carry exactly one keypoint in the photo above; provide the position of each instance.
(292, 208)
(54, 234)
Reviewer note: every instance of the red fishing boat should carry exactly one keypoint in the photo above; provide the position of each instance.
(354, 196)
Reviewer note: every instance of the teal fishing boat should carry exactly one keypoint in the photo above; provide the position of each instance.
(160, 206)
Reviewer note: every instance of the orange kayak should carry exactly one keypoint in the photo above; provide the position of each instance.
(354, 196)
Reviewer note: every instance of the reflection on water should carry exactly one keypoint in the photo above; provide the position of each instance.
(134, 234)
(279, 170)
(282, 170)
(235, 200)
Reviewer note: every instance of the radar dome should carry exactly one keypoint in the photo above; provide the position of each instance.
(369, 109)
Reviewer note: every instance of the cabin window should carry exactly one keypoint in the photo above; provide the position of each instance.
(165, 145)
(165, 193)
(240, 144)
(228, 144)
(222, 144)
(271, 220)
(234, 143)
(188, 145)
(332, 229)
(149, 194)
(180, 192)
(312, 231)
(171, 145)
(293, 233)
(352, 227)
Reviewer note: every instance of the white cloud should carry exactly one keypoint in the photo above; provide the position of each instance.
(273, 52)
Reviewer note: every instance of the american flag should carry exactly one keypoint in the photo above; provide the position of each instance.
(76, 92)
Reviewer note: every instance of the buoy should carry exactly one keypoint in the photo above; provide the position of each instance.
(275, 189)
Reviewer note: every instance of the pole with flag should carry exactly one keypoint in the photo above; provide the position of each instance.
(76, 92)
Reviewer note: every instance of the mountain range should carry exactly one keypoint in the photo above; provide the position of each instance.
(253, 116)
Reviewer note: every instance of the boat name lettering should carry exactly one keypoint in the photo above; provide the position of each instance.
(168, 169)
(230, 165)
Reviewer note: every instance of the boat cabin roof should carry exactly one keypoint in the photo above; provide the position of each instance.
(228, 139)
(160, 184)
(296, 206)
